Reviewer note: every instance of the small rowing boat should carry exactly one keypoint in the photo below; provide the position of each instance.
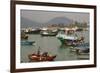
(27, 42)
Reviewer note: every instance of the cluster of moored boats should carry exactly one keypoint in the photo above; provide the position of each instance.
(66, 38)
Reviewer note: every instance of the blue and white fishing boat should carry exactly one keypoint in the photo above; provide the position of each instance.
(83, 51)
(69, 39)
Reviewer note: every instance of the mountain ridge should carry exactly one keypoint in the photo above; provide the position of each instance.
(57, 20)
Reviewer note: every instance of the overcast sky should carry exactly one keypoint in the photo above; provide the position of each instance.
(45, 16)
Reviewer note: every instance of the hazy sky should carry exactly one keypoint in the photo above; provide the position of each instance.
(45, 16)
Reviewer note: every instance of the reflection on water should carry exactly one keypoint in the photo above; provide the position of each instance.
(51, 45)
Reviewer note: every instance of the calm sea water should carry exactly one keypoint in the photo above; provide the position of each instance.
(51, 45)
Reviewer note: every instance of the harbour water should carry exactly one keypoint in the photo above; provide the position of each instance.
(52, 45)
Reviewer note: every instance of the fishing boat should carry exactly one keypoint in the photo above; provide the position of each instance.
(48, 33)
(83, 48)
(37, 57)
(33, 31)
(82, 53)
(27, 42)
(70, 40)
(23, 36)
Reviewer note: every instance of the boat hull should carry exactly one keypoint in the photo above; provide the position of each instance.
(68, 42)
(48, 34)
(38, 58)
(27, 42)
(33, 32)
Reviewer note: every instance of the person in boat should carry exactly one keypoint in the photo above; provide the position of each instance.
(45, 54)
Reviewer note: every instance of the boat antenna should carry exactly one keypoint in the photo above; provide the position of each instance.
(39, 48)
(38, 52)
